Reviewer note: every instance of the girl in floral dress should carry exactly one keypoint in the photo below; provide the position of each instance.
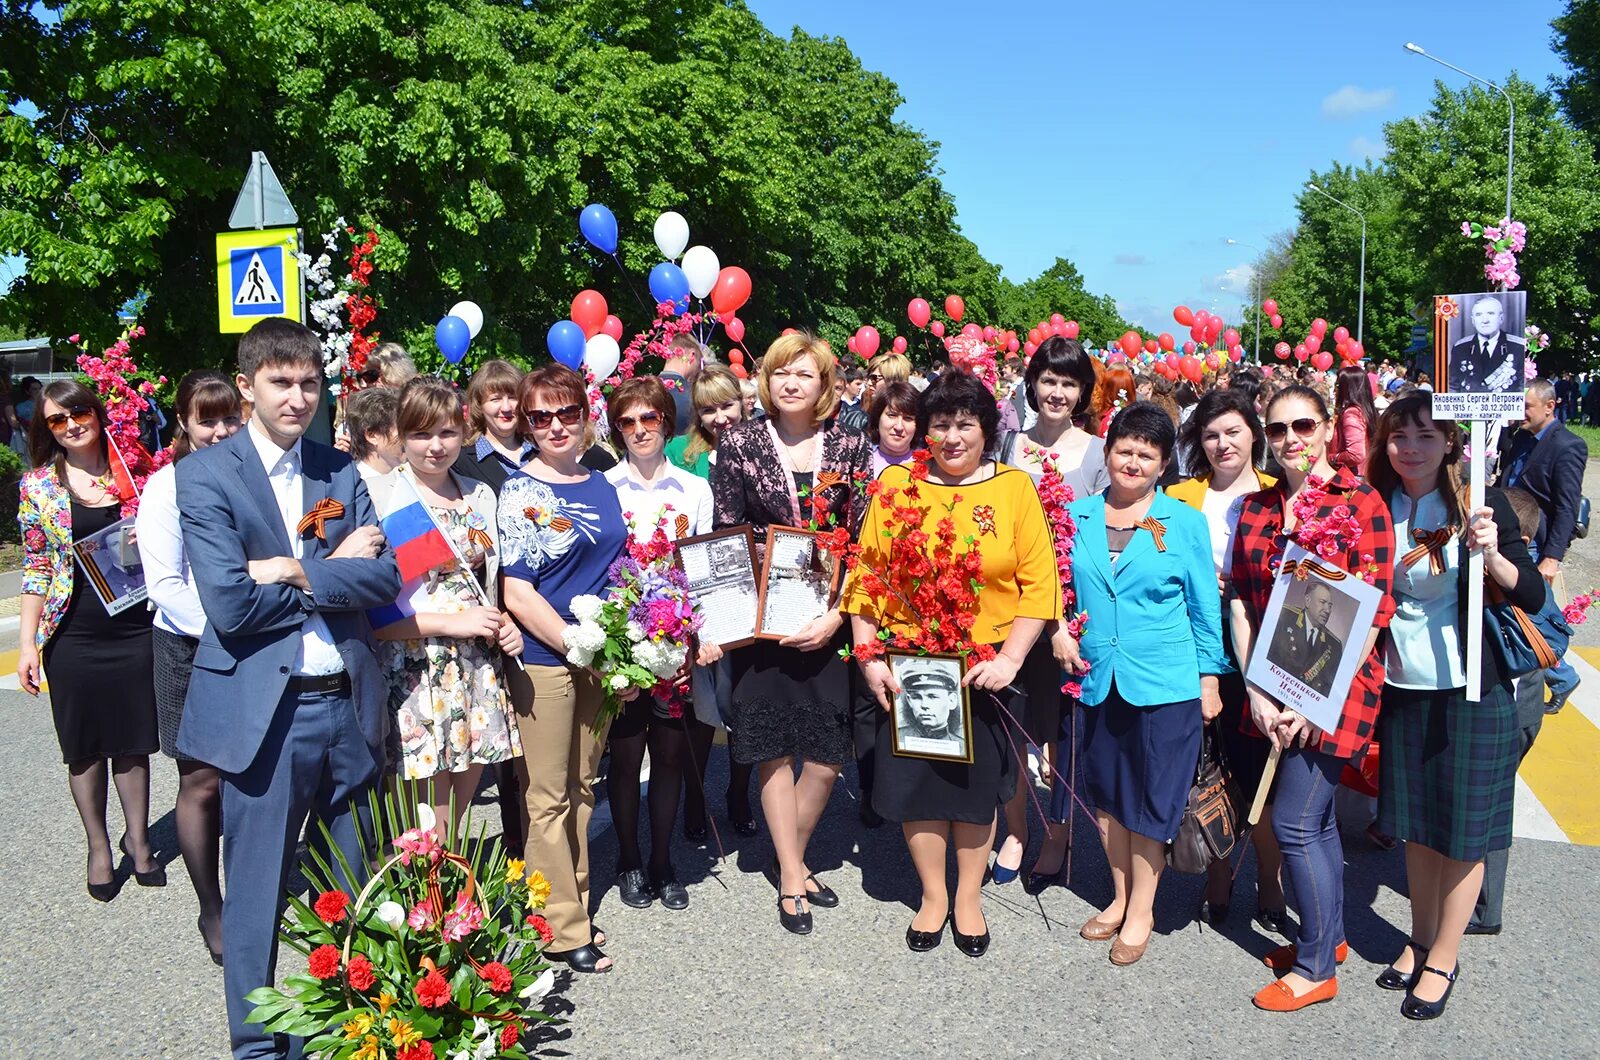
(442, 651)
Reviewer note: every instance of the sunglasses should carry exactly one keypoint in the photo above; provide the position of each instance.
(369, 375)
(874, 378)
(650, 421)
(1303, 427)
(77, 414)
(569, 415)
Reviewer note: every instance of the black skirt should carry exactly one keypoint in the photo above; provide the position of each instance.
(174, 660)
(1047, 707)
(919, 789)
(790, 704)
(1139, 762)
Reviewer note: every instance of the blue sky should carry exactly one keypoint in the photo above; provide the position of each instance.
(1136, 138)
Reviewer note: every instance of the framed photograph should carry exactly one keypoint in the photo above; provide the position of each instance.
(1479, 354)
(1311, 638)
(932, 713)
(110, 561)
(721, 569)
(799, 582)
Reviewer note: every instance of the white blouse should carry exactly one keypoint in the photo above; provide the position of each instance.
(166, 566)
(681, 498)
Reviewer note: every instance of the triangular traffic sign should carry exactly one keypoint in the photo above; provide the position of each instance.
(271, 207)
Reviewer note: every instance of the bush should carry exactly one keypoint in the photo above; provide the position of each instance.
(11, 469)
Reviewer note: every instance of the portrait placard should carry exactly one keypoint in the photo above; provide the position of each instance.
(1479, 355)
(721, 569)
(1313, 637)
(110, 561)
(932, 712)
(799, 582)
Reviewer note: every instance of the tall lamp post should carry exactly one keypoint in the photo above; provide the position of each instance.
(1511, 126)
(1255, 287)
(1361, 297)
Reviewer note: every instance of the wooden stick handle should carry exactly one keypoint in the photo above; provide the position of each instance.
(1265, 786)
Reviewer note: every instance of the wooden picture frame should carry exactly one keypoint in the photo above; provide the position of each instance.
(806, 591)
(724, 584)
(926, 702)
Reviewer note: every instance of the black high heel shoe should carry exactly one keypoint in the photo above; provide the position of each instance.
(1389, 979)
(971, 945)
(1413, 1008)
(798, 922)
(156, 877)
(923, 941)
(104, 892)
(746, 825)
(216, 955)
(584, 959)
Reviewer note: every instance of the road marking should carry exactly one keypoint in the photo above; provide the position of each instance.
(8, 672)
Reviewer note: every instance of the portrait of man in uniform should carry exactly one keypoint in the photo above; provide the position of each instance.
(1304, 645)
(1488, 357)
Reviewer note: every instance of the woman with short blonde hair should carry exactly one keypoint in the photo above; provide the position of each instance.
(781, 357)
(393, 364)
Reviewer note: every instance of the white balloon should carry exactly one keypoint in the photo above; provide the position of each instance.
(470, 315)
(701, 266)
(601, 356)
(672, 234)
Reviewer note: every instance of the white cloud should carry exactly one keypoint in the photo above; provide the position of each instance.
(1131, 259)
(1352, 102)
(1363, 148)
(1236, 280)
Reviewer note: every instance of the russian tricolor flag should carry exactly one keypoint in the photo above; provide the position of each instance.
(419, 545)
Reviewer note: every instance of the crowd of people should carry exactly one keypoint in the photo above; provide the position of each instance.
(285, 668)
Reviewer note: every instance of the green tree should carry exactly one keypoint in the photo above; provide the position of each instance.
(1577, 40)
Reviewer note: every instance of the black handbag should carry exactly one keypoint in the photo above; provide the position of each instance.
(1209, 828)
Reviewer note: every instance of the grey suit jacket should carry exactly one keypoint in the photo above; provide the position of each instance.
(230, 516)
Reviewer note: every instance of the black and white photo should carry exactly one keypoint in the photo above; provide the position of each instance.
(798, 584)
(1480, 354)
(721, 569)
(932, 714)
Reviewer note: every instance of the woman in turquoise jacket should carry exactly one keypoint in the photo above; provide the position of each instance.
(1149, 657)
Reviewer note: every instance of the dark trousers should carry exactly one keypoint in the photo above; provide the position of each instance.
(1530, 717)
(1307, 832)
(313, 763)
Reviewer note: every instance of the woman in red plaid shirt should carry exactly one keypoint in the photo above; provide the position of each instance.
(1299, 432)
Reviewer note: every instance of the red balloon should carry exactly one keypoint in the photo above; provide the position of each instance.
(1011, 345)
(1356, 352)
(1057, 318)
(1035, 336)
(918, 311)
(735, 328)
(1314, 341)
(850, 344)
(898, 345)
(1070, 329)
(1237, 353)
(1166, 341)
(1130, 342)
(612, 327)
(1270, 307)
(1301, 353)
(1282, 350)
(937, 327)
(1322, 361)
(739, 371)
(1151, 345)
(789, 331)
(1213, 362)
(732, 291)
(1340, 333)
(867, 340)
(1197, 332)
(955, 307)
(1188, 347)
(971, 331)
(1318, 326)
(735, 356)
(1277, 321)
(1183, 315)
(1029, 347)
(589, 312)
(1191, 369)
(1231, 337)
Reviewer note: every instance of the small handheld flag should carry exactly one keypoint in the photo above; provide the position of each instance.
(419, 545)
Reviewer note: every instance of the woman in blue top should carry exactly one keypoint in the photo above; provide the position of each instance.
(561, 528)
(1150, 656)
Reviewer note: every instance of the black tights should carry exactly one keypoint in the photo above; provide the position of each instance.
(668, 740)
(199, 840)
(87, 779)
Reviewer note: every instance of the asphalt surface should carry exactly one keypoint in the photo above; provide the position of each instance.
(722, 979)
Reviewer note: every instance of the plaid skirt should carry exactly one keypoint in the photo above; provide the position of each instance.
(1448, 769)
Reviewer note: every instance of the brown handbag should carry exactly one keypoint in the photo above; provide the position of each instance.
(1209, 828)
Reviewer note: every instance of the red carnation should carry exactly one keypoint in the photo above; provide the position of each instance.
(542, 926)
(510, 1033)
(360, 974)
(433, 990)
(497, 975)
(330, 906)
(422, 1050)
(324, 962)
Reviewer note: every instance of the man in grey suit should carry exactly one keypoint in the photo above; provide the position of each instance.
(286, 698)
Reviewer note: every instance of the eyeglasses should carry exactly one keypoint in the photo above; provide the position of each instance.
(369, 375)
(1302, 427)
(650, 421)
(874, 378)
(569, 415)
(79, 414)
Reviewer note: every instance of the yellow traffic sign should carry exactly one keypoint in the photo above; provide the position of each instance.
(258, 276)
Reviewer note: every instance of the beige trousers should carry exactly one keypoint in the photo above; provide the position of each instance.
(555, 708)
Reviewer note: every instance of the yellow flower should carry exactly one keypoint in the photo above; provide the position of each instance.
(357, 1026)
(516, 868)
(371, 1049)
(386, 1001)
(538, 890)
(403, 1033)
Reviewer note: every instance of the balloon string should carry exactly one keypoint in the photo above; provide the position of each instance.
(700, 782)
(1022, 762)
(628, 281)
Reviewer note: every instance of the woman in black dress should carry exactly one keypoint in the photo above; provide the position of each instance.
(791, 698)
(102, 691)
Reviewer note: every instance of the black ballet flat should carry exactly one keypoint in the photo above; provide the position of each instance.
(634, 889)
(746, 825)
(1414, 1009)
(1037, 883)
(105, 892)
(971, 945)
(673, 895)
(1389, 979)
(216, 955)
(799, 922)
(156, 877)
(823, 897)
(923, 941)
(585, 959)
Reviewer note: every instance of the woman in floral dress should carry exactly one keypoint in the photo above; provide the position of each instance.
(442, 641)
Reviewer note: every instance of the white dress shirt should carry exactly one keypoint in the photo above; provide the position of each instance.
(680, 491)
(317, 656)
(166, 566)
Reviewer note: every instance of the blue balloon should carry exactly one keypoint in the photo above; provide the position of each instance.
(599, 227)
(669, 284)
(565, 341)
(453, 337)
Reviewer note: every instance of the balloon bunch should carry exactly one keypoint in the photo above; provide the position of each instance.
(1310, 348)
(455, 332)
(1270, 307)
(1056, 325)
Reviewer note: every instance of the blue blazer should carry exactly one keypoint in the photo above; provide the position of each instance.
(229, 516)
(1155, 621)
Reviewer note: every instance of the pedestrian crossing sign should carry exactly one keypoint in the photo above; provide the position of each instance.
(258, 276)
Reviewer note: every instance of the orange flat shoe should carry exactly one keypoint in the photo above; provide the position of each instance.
(1099, 930)
(1282, 959)
(1123, 954)
(1276, 996)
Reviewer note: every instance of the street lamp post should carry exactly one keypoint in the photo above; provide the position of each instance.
(1255, 287)
(1361, 297)
(1511, 126)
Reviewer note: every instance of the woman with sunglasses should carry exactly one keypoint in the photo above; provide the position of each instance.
(791, 698)
(1449, 765)
(1223, 440)
(207, 411)
(1299, 434)
(655, 493)
(561, 529)
(102, 677)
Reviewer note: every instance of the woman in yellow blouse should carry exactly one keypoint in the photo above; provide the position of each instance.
(936, 801)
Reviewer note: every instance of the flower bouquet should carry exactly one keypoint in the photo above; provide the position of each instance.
(111, 374)
(637, 636)
(438, 957)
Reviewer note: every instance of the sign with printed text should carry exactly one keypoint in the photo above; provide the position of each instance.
(258, 276)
